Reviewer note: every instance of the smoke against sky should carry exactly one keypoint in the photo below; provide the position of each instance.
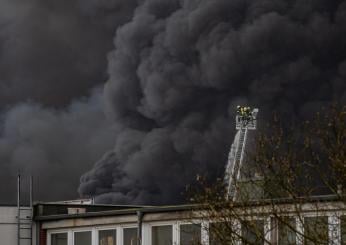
(176, 72)
(52, 55)
(53, 145)
(53, 51)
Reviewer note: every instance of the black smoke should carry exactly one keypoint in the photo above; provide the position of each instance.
(53, 59)
(54, 51)
(55, 146)
(178, 70)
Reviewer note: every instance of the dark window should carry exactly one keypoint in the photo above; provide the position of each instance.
(221, 233)
(130, 236)
(108, 237)
(82, 238)
(252, 232)
(162, 235)
(286, 231)
(190, 234)
(59, 239)
(316, 230)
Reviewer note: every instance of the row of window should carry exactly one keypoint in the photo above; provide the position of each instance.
(160, 235)
(283, 231)
(105, 237)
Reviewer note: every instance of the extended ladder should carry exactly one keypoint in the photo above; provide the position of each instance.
(244, 122)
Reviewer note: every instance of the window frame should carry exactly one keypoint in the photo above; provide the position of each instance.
(156, 224)
(266, 226)
(106, 228)
(122, 227)
(84, 229)
(52, 232)
(190, 222)
(313, 215)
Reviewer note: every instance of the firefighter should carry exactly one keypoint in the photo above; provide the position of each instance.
(244, 112)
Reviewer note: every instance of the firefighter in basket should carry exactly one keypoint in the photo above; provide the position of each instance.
(244, 112)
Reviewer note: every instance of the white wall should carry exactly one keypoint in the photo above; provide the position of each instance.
(8, 226)
(333, 223)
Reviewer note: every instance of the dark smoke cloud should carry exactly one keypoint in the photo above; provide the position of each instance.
(180, 67)
(52, 55)
(55, 146)
(54, 51)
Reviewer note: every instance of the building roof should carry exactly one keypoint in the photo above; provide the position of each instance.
(58, 211)
(101, 210)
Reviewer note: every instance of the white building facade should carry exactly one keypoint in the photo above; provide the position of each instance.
(179, 225)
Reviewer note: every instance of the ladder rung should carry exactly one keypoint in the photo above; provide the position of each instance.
(26, 228)
(27, 238)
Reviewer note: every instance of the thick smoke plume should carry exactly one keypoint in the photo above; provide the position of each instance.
(180, 67)
(53, 51)
(177, 71)
(55, 146)
(52, 54)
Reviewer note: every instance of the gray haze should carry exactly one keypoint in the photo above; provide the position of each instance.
(52, 54)
(53, 145)
(178, 70)
(52, 51)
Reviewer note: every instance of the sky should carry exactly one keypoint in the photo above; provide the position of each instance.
(127, 100)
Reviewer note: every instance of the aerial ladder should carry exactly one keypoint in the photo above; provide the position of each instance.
(246, 119)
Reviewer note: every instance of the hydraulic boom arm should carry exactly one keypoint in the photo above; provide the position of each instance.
(245, 120)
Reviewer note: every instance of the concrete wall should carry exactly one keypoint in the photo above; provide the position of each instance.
(8, 226)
